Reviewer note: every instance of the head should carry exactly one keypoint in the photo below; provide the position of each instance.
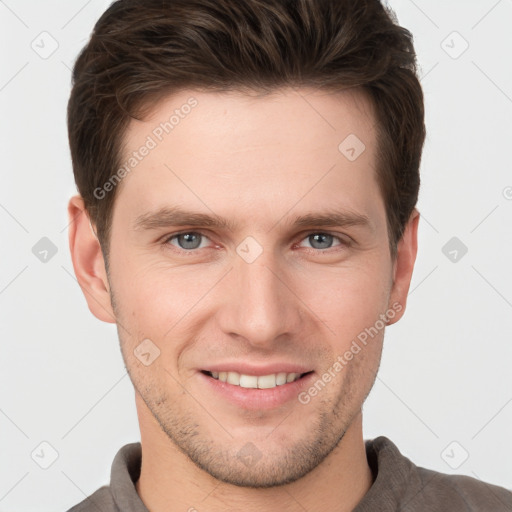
(291, 133)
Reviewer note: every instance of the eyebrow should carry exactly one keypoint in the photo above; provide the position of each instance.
(175, 216)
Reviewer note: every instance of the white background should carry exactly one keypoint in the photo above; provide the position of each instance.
(445, 373)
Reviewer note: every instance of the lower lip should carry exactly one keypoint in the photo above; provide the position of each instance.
(255, 398)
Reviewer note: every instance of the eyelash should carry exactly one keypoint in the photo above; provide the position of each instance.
(344, 243)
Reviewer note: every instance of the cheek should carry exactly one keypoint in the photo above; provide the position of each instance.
(348, 299)
(156, 293)
(161, 304)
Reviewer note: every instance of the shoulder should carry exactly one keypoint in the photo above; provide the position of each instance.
(400, 484)
(460, 492)
(102, 500)
(121, 494)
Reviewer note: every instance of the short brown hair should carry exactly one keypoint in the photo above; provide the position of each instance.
(142, 51)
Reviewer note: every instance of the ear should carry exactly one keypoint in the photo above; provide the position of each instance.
(88, 261)
(404, 265)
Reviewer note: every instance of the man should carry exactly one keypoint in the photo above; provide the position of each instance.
(248, 175)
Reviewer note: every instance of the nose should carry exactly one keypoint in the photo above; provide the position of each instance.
(259, 304)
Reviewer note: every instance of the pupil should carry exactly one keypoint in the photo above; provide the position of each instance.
(190, 241)
(320, 238)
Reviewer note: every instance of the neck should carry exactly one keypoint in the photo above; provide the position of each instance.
(169, 477)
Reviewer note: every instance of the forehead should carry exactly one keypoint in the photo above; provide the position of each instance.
(257, 116)
(251, 150)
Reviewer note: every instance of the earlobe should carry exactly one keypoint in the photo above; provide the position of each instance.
(88, 261)
(404, 265)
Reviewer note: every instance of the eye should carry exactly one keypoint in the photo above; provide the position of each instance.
(187, 241)
(322, 241)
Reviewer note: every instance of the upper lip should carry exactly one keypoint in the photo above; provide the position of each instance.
(257, 370)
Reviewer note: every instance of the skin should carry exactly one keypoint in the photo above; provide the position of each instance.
(258, 161)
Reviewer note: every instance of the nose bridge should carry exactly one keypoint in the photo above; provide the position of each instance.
(260, 306)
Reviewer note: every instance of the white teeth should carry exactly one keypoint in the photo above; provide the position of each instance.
(233, 378)
(267, 381)
(248, 381)
(281, 379)
(253, 381)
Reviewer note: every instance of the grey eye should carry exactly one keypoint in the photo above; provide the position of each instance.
(188, 240)
(321, 240)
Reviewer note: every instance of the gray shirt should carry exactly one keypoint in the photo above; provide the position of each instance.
(398, 485)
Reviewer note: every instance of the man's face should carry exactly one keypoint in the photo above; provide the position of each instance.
(262, 295)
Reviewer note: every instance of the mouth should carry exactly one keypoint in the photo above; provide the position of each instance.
(273, 380)
(253, 386)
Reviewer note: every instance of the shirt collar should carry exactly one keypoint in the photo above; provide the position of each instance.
(391, 476)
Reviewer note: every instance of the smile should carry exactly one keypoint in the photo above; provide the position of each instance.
(256, 392)
(254, 381)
